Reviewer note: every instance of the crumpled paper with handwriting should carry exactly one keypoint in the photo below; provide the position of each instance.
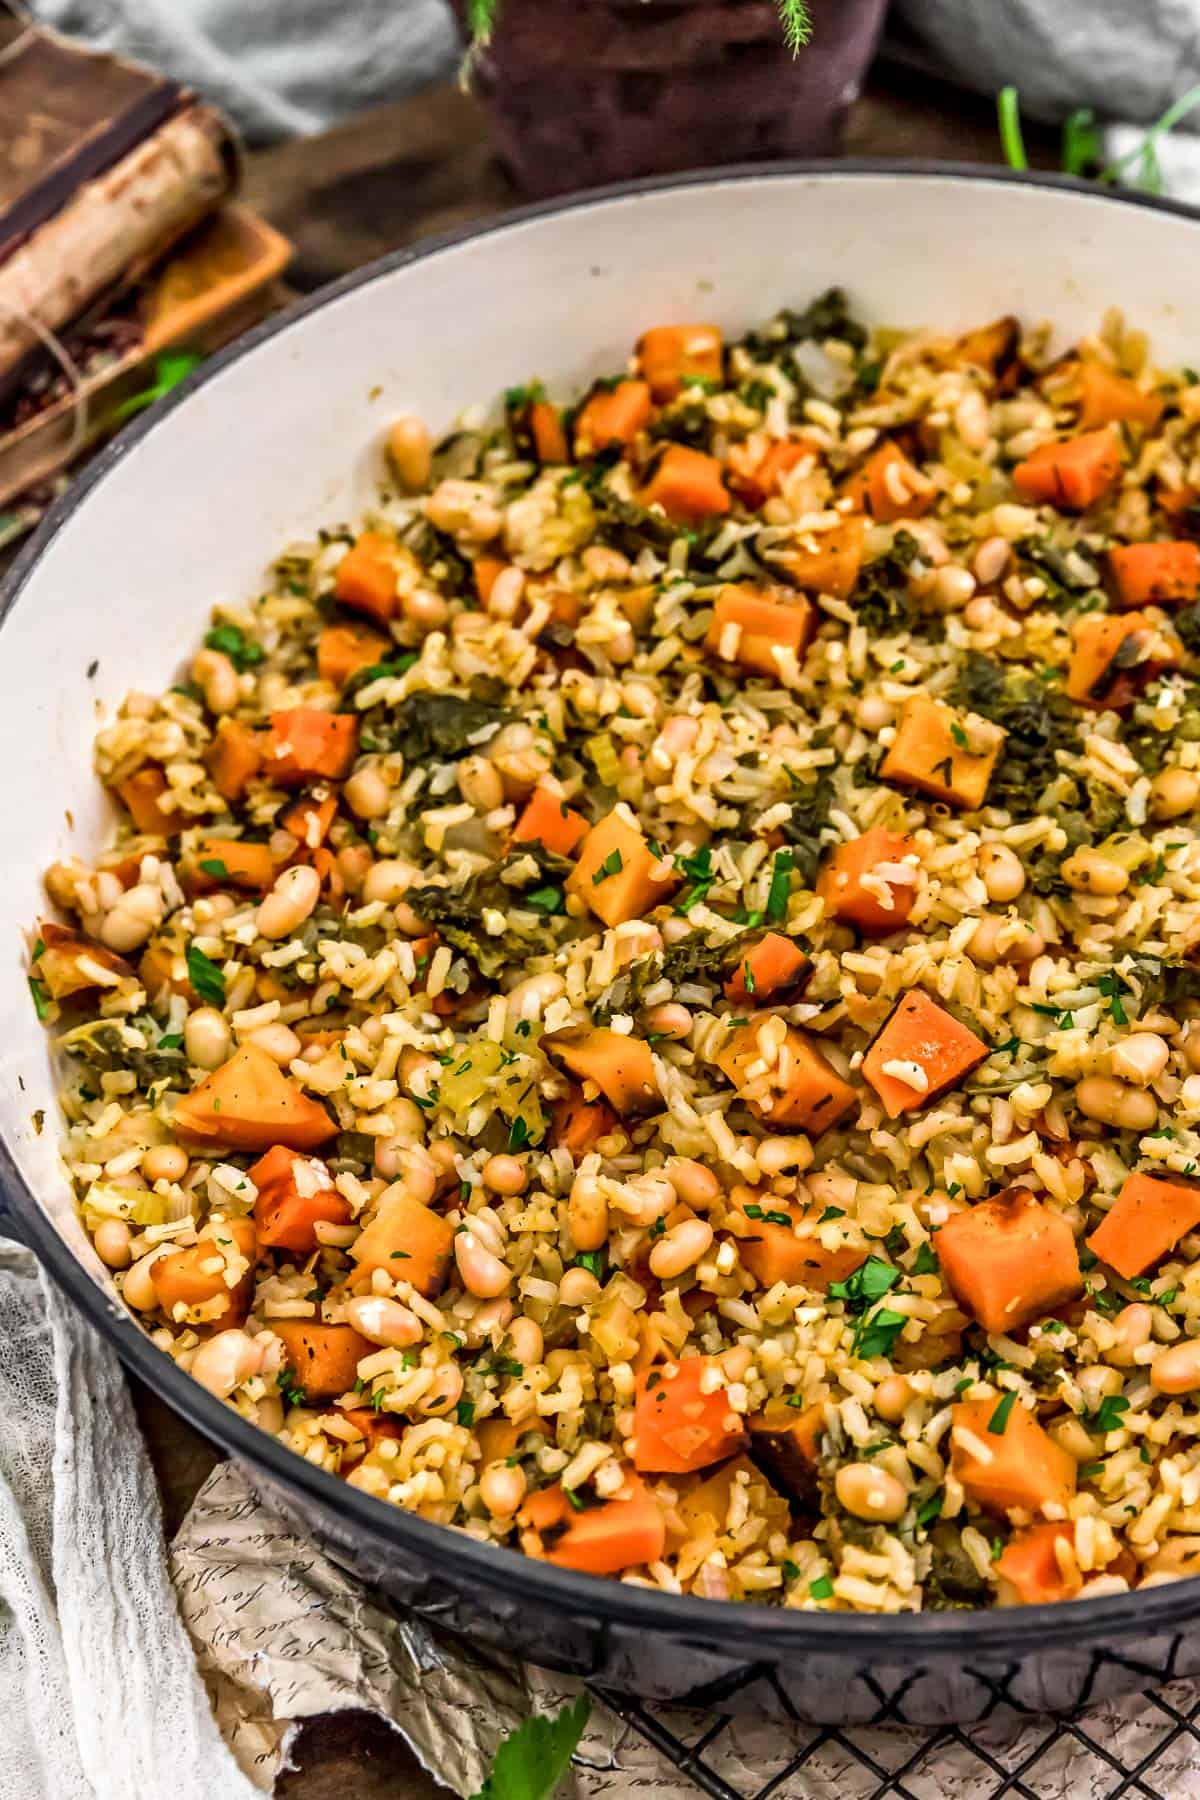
(282, 1635)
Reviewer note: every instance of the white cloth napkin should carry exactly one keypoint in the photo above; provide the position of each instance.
(99, 1694)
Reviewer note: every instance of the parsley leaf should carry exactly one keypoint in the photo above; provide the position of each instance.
(999, 1418)
(877, 1334)
(868, 1283)
(205, 977)
(40, 998)
(533, 1759)
(926, 1261)
(781, 886)
(612, 865)
(232, 641)
(1107, 1416)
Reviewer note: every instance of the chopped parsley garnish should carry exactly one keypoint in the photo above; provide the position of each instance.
(545, 899)
(999, 1418)
(700, 876)
(781, 886)
(926, 1262)
(518, 1134)
(868, 1283)
(821, 1588)
(205, 977)
(232, 642)
(612, 865)
(464, 1412)
(1108, 1415)
(212, 865)
(41, 999)
(1112, 987)
(930, 1509)
(877, 1334)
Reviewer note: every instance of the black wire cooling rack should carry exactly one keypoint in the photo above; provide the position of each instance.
(1148, 1747)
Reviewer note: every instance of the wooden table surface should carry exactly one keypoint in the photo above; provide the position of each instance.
(392, 176)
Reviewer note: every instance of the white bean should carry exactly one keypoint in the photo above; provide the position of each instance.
(775, 1154)
(1003, 876)
(112, 1241)
(870, 1493)
(217, 680)
(206, 1038)
(1133, 1325)
(482, 1273)
(385, 1322)
(165, 1162)
(502, 1489)
(587, 1213)
(137, 1289)
(387, 880)
(1174, 792)
(479, 784)
(133, 918)
(410, 450)
(505, 1175)
(225, 1361)
(578, 1287)
(1177, 1370)
(367, 793)
(680, 1248)
(692, 1182)
(290, 902)
(1115, 1103)
(525, 1337)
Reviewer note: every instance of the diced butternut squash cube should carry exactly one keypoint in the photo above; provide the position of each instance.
(1159, 574)
(372, 1427)
(943, 752)
(150, 805)
(617, 874)
(768, 637)
(164, 970)
(577, 1124)
(210, 1285)
(1145, 1222)
(687, 485)
(322, 1359)
(775, 968)
(786, 1441)
(309, 820)
(250, 1104)
(1004, 1459)
(295, 1194)
(307, 744)
(1009, 1260)
(1072, 473)
(69, 963)
(705, 1507)
(682, 1419)
(210, 863)
(1115, 655)
(234, 758)
(795, 1088)
(827, 562)
(992, 348)
(342, 650)
(1109, 399)
(613, 416)
(549, 821)
(1031, 1569)
(622, 1067)
(921, 1052)
(755, 475)
(870, 882)
(408, 1241)
(670, 355)
(487, 571)
(781, 1242)
(366, 577)
(890, 487)
(625, 1532)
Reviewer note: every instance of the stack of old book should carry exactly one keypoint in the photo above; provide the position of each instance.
(123, 256)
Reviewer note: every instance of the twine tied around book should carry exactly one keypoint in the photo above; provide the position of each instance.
(66, 362)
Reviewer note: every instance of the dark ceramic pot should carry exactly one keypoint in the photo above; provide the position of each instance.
(588, 91)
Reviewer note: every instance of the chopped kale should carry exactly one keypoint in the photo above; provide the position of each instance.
(428, 727)
(802, 829)
(828, 316)
(456, 911)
